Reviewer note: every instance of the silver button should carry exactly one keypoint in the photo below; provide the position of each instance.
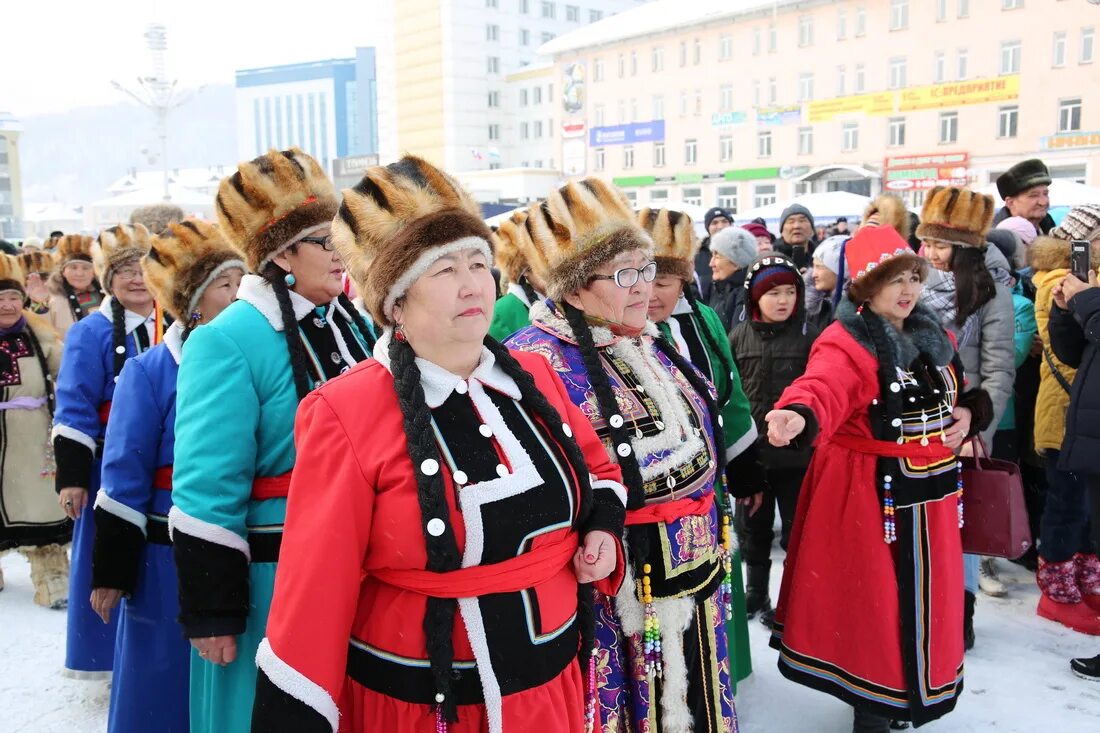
(120, 349)
(318, 323)
(502, 470)
(460, 477)
(616, 421)
(485, 430)
(461, 388)
(623, 449)
(721, 422)
(896, 422)
(436, 527)
(429, 467)
(336, 358)
(567, 430)
(895, 387)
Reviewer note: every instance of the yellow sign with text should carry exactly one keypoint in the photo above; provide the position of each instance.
(933, 96)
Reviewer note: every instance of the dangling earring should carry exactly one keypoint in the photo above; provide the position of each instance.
(289, 279)
(399, 334)
(196, 316)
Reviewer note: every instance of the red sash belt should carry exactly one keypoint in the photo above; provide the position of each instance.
(934, 451)
(519, 573)
(271, 487)
(104, 412)
(670, 511)
(162, 479)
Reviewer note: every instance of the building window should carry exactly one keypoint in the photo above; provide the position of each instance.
(628, 157)
(899, 15)
(658, 108)
(597, 70)
(1069, 115)
(963, 9)
(897, 73)
(727, 198)
(658, 155)
(755, 92)
(549, 10)
(536, 95)
(805, 141)
(631, 197)
(897, 132)
(524, 37)
(683, 53)
(524, 131)
(658, 197)
(939, 71)
(725, 48)
(773, 90)
(841, 25)
(1010, 57)
(525, 6)
(757, 40)
(1007, 120)
(658, 59)
(805, 31)
(572, 14)
(685, 100)
(725, 148)
(1087, 35)
(691, 152)
(697, 52)
(849, 141)
(494, 99)
(698, 102)
(764, 144)
(773, 38)
(941, 10)
(493, 65)
(595, 15)
(841, 81)
(490, 3)
(622, 66)
(599, 158)
(537, 129)
(598, 114)
(692, 196)
(861, 79)
(1011, 4)
(633, 63)
(949, 127)
(622, 112)
(633, 110)
(763, 194)
(725, 98)
(1059, 53)
(522, 97)
(494, 132)
(961, 68)
(492, 33)
(805, 87)
(861, 22)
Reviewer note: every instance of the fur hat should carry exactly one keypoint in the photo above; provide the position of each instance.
(35, 262)
(273, 201)
(11, 274)
(73, 247)
(581, 226)
(1050, 253)
(116, 247)
(674, 241)
(1080, 222)
(396, 222)
(183, 261)
(735, 244)
(1022, 176)
(956, 216)
(512, 246)
(156, 217)
(889, 211)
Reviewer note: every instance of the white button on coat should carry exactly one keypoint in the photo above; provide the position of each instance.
(429, 467)
(436, 527)
(485, 430)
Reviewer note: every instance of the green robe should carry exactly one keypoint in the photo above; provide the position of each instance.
(510, 314)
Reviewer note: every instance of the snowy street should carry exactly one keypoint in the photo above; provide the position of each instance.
(1017, 677)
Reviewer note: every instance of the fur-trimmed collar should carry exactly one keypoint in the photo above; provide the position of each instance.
(256, 291)
(555, 324)
(923, 334)
(438, 383)
(173, 340)
(1048, 253)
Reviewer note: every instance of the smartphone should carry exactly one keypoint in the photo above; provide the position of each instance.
(1079, 258)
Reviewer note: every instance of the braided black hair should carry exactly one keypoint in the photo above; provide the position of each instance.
(51, 399)
(726, 364)
(358, 320)
(118, 334)
(299, 361)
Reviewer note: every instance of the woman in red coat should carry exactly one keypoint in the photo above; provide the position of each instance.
(871, 609)
(449, 505)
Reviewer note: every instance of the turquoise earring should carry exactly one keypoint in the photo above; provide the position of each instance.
(290, 279)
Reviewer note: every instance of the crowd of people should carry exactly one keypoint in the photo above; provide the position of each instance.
(362, 463)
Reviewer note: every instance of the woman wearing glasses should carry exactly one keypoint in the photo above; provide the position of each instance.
(239, 386)
(662, 653)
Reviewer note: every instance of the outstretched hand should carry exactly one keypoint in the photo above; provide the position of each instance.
(784, 426)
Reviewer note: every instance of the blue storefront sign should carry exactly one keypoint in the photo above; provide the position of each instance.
(636, 132)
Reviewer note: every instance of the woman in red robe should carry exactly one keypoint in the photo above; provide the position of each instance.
(871, 605)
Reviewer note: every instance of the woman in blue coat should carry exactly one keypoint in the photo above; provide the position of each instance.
(194, 272)
(127, 323)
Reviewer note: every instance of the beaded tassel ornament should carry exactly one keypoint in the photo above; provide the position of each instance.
(959, 494)
(590, 703)
(725, 590)
(889, 526)
(652, 627)
(440, 721)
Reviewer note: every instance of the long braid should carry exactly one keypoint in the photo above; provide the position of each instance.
(551, 418)
(299, 362)
(443, 552)
(44, 366)
(118, 334)
(358, 320)
(528, 290)
(725, 363)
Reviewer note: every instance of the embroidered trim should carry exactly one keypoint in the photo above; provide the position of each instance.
(120, 510)
(296, 684)
(180, 520)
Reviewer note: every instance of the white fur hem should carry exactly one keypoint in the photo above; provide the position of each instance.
(79, 674)
(615, 486)
(120, 510)
(742, 443)
(296, 684)
(173, 340)
(425, 260)
(180, 520)
(64, 431)
(227, 265)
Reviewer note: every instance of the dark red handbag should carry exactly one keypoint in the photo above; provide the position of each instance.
(994, 513)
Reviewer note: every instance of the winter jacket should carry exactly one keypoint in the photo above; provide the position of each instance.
(1075, 338)
(510, 313)
(769, 357)
(727, 298)
(988, 354)
(819, 305)
(702, 269)
(1045, 225)
(801, 256)
(1050, 264)
(1025, 334)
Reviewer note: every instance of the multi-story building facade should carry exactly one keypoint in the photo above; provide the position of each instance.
(11, 186)
(327, 108)
(745, 103)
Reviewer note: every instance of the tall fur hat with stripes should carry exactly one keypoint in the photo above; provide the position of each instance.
(512, 245)
(74, 247)
(35, 262)
(396, 222)
(116, 247)
(579, 227)
(674, 241)
(182, 262)
(956, 216)
(157, 217)
(273, 201)
(887, 210)
(11, 274)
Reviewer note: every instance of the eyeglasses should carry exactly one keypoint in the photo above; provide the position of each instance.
(324, 243)
(128, 273)
(628, 277)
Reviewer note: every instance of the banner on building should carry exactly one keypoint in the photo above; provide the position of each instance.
(573, 91)
(922, 172)
(572, 128)
(854, 106)
(636, 132)
(790, 114)
(729, 119)
(1064, 140)
(932, 96)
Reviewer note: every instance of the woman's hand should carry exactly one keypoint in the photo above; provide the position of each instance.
(103, 600)
(954, 436)
(595, 560)
(221, 650)
(784, 426)
(72, 500)
(753, 502)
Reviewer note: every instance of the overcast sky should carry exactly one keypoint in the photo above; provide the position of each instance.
(59, 54)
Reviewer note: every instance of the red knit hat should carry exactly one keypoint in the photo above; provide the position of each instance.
(871, 247)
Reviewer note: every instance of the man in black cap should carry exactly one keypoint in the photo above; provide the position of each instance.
(796, 232)
(715, 220)
(1025, 188)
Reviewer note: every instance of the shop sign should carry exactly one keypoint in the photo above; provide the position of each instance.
(932, 96)
(637, 132)
(572, 128)
(774, 116)
(922, 172)
(1069, 140)
(728, 119)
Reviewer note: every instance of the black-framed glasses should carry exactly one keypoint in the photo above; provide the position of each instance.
(627, 277)
(324, 243)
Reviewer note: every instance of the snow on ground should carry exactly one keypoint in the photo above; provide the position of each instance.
(1017, 676)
